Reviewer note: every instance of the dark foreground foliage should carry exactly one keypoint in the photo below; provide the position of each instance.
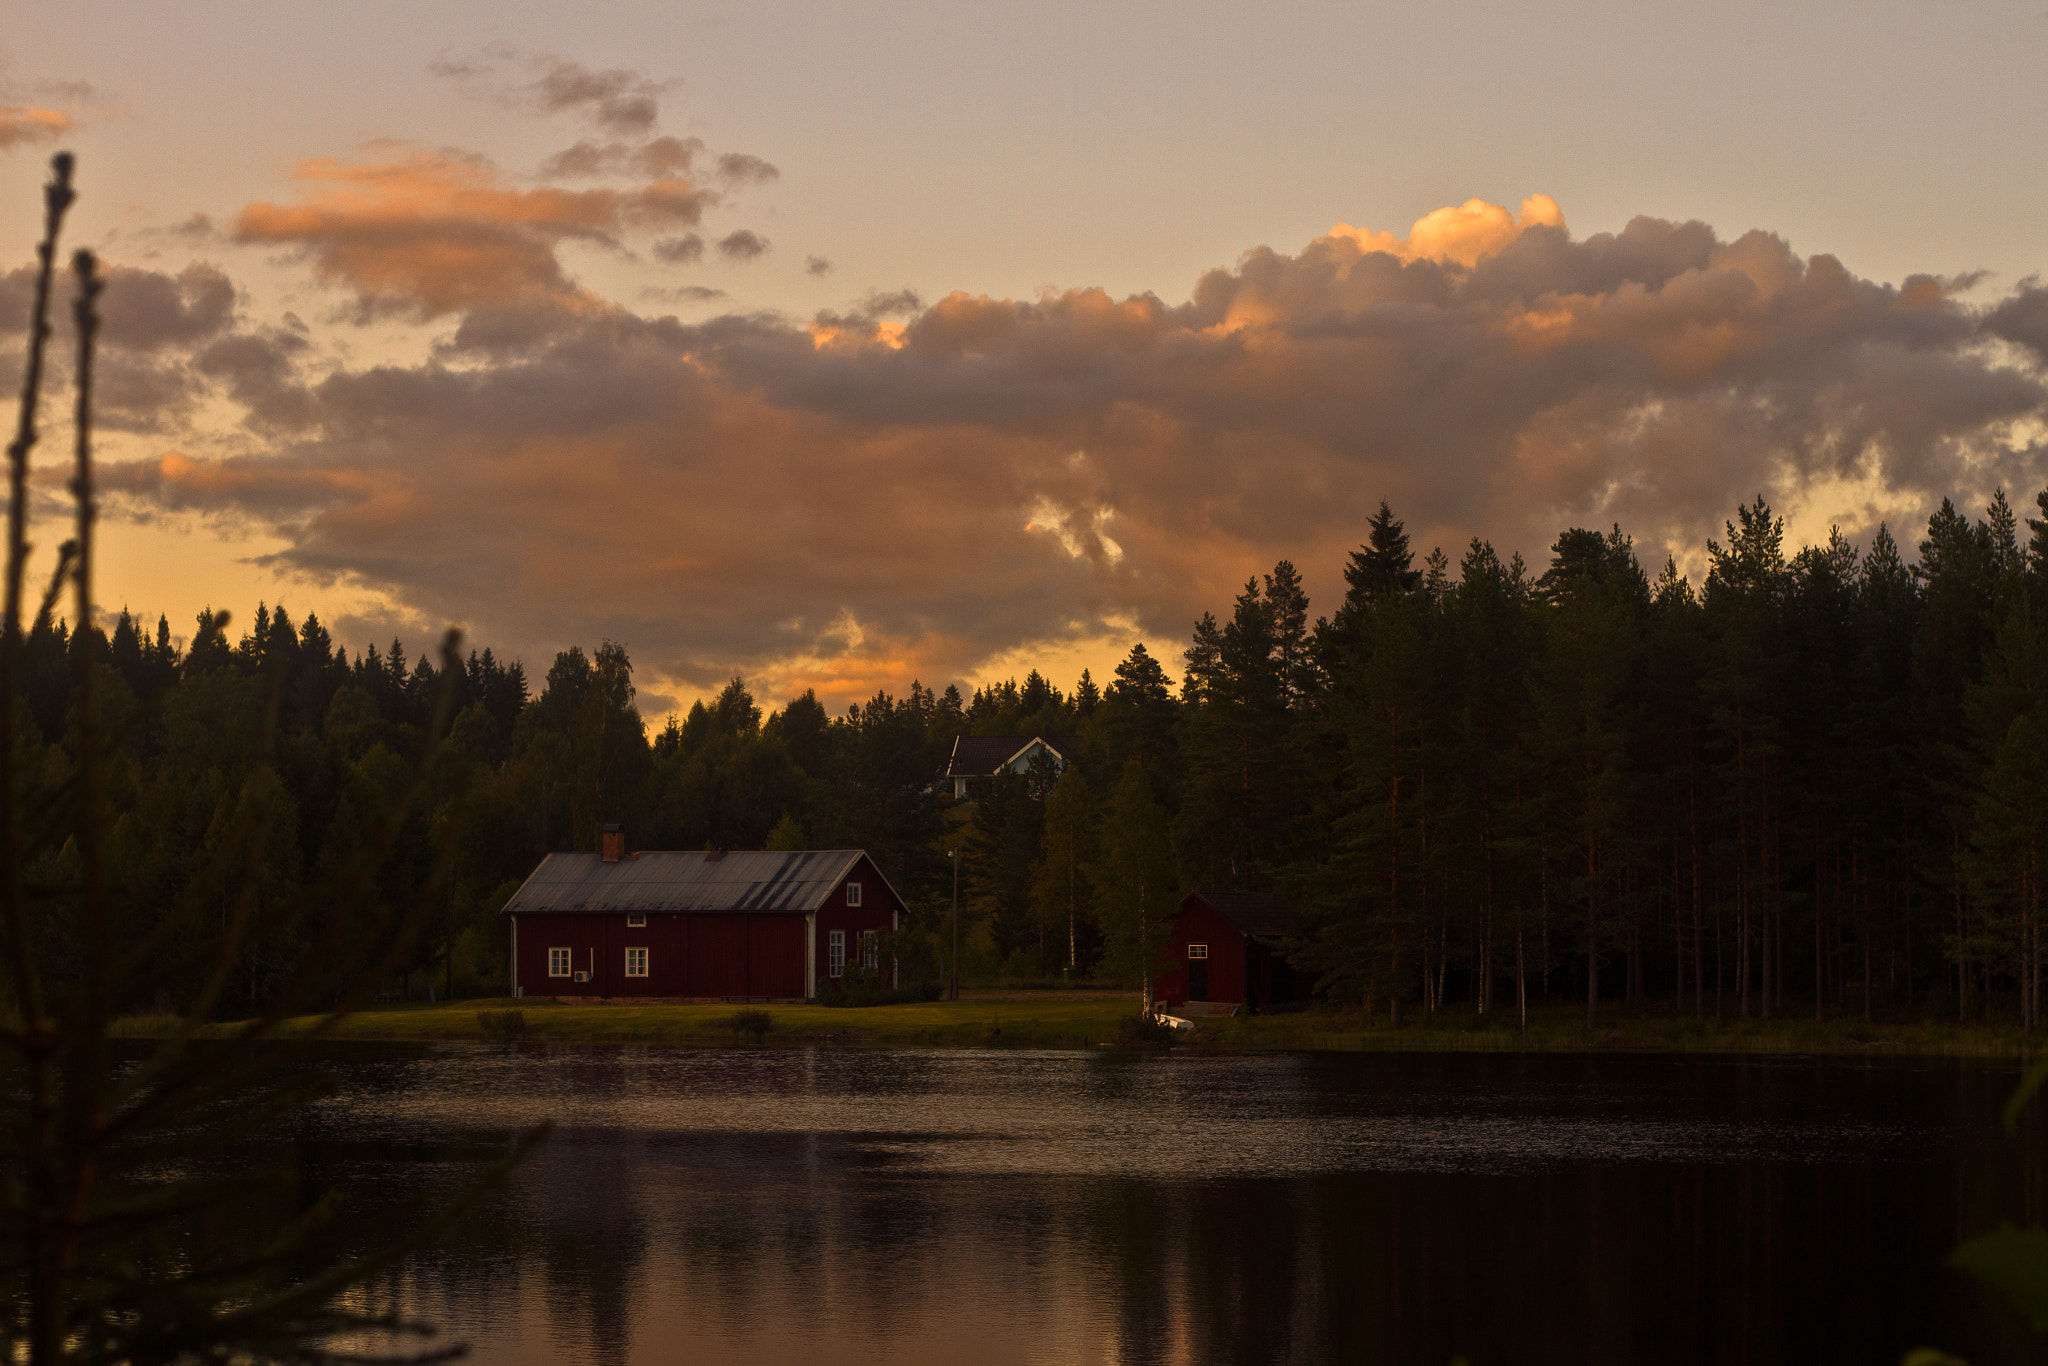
(129, 1231)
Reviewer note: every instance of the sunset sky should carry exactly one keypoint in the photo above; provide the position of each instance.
(837, 345)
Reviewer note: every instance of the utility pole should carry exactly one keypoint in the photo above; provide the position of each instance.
(953, 992)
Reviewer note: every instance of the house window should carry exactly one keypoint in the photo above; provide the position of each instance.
(636, 922)
(558, 962)
(636, 962)
(853, 894)
(1198, 950)
(835, 954)
(870, 950)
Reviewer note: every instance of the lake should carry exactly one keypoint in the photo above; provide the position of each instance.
(769, 1206)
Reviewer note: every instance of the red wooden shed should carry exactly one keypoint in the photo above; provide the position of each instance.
(702, 925)
(1223, 950)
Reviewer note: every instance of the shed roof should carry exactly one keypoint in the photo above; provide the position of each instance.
(978, 756)
(1255, 913)
(682, 882)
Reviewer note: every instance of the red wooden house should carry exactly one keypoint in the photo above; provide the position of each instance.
(1223, 951)
(704, 926)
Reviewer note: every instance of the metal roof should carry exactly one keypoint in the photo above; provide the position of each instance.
(683, 882)
(979, 756)
(1255, 913)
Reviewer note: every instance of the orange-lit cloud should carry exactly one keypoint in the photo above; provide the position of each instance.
(1464, 234)
(909, 489)
(24, 123)
(431, 233)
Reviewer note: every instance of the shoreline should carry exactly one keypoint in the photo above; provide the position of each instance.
(1078, 1020)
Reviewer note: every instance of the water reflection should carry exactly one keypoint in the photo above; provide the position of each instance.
(766, 1206)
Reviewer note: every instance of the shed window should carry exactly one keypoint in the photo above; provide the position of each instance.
(636, 922)
(1198, 950)
(853, 894)
(558, 962)
(870, 950)
(636, 962)
(835, 954)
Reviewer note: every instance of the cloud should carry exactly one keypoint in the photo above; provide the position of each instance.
(684, 294)
(742, 244)
(428, 233)
(154, 324)
(620, 100)
(737, 168)
(1463, 234)
(914, 489)
(260, 372)
(24, 124)
(658, 159)
(37, 113)
(2023, 318)
(679, 250)
(818, 266)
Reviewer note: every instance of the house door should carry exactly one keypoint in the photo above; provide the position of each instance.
(1198, 979)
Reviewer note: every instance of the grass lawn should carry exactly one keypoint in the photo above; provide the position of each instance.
(1045, 1023)
(1090, 1019)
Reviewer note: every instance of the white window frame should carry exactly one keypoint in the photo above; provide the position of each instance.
(835, 953)
(636, 967)
(870, 951)
(636, 922)
(853, 894)
(1198, 950)
(559, 962)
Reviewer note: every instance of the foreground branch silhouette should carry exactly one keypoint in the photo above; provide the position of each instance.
(127, 1233)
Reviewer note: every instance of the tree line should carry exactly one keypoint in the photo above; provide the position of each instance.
(1817, 781)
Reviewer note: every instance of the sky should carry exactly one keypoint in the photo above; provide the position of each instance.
(841, 345)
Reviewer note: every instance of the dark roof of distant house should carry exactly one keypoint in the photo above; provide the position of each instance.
(978, 756)
(685, 882)
(1255, 913)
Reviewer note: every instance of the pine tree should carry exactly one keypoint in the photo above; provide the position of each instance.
(1135, 891)
(1589, 697)
(1746, 587)
(1138, 715)
(1061, 892)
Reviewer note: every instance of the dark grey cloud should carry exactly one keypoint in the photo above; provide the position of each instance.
(900, 303)
(683, 250)
(260, 371)
(2023, 318)
(737, 168)
(912, 488)
(818, 266)
(742, 244)
(874, 307)
(144, 310)
(684, 294)
(621, 100)
(662, 158)
(154, 322)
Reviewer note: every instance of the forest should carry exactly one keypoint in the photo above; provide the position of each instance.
(1816, 782)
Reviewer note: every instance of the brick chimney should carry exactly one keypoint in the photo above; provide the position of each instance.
(613, 843)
